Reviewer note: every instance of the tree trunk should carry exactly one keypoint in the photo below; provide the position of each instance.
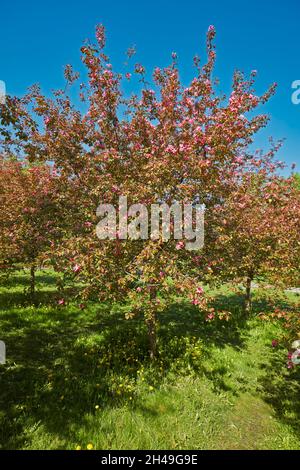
(248, 302)
(32, 280)
(151, 325)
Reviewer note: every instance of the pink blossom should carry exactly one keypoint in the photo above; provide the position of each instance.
(239, 160)
(139, 69)
(274, 343)
(61, 302)
(179, 245)
(199, 290)
(100, 35)
(210, 316)
(171, 149)
(76, 268)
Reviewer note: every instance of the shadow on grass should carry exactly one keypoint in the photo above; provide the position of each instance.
(281, 389)
(47, 378)
(15, 290)
(183, 318)
(64, 362)
(23, 278)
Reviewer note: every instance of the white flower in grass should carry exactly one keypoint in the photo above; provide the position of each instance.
(296, 344)
(296, 357)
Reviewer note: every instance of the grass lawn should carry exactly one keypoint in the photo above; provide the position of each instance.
(76, 377)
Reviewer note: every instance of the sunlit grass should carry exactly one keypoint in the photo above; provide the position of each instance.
(76, 377)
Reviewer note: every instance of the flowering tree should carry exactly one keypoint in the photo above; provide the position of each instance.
(257, 233)
(297, 179)
(168, 143)
(28, 214)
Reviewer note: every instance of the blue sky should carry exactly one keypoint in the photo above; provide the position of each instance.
(37, 39)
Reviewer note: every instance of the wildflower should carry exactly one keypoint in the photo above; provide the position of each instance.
(78, 448)
(199, 290)
(296, 344)
(274, 343)
(296, 357)
(61, 302)
(97, 407)
(89, 446)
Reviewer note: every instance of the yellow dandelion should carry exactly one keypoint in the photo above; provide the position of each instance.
(97, 407)
(89, 446)
(78, 448)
